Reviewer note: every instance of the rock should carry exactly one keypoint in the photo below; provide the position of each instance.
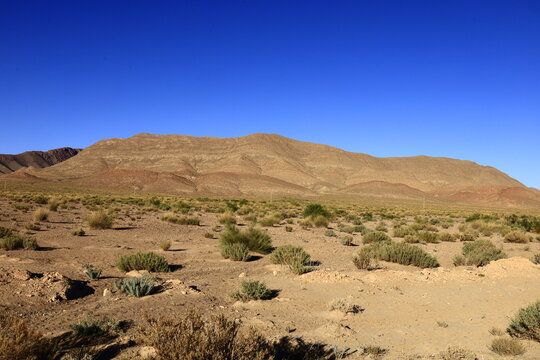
(106, 292)
(242, 275)
(138, 273)
(147, 352)
(22, 275)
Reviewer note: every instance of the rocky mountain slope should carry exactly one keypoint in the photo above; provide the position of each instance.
(36, 159)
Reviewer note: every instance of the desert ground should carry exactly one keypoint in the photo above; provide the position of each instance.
(388, 311)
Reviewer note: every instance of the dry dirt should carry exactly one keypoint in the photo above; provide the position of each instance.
(404, 306)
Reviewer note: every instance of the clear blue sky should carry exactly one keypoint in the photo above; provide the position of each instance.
(458, 79)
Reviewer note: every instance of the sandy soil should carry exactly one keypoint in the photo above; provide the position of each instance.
(404, 307)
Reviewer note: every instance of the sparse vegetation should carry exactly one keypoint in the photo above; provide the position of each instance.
(20, 342)
(365, 260)
(15, 242)
(401, 253)
(92, 326)
(479, 253)
(345, 306)
(235, 251)
(41, 214)
(79, 232)
(375, 237)
(256, 240)
(165, 245)
(142, 261)
(181, 220)
(294, 256)
(507, 346)
(517, 237)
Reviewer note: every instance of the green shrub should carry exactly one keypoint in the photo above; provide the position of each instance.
(91, 326)
(314, 210)
(517, 237)
(100, 220)
(235, 251)
(143, 261)
(135, 286)
(91, 272)
(506, 346)
(526, 323)
(256, 240)
(15, 242)
(181, 220)
(401, 232)
(479, 253)
(428, 237)
(252, 290)
(402, 253)
(330, 233)
(294, 256)
(375, 237)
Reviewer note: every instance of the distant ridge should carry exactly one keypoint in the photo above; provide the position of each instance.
(36, 159)
(264, 164)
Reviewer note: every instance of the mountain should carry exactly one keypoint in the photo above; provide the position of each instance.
(36, 159)
(264, 164)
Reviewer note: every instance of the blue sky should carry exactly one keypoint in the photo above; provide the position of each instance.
(458, 79)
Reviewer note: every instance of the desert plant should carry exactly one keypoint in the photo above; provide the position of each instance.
(365, 260)
(235, 251)
(444, 236)
(457, 353)
(91, 326)
(181, 220)
(536, 259)
(496, 331)
(53, 205)
(142, 261)
(256, 240)
(345, 306)
(227, 219)
(15, 242)
(4, 231)
(165, 245)
(269, 221)
(41, 214)
(347, 240)
(375, 237)
(20, 342)
(79, 232)
(91, 272)
(32, 227)
(294, 256)
(135, 286)
(314, 210)
(479, 253)
(526, 323)
(252, 290)
(288, 228)
(330, 233)
(401, 253)
(100, 220)
(506, 346)
(517, 237)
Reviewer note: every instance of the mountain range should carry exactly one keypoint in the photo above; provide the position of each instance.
(265, 164)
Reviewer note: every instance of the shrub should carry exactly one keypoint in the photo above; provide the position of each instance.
(428, 237)
(345, 306)
(32, 227)
(91, 272)
(314, 210)
(294, 256)
(365, 260)
(53, 205)
(457, 353)
(19, 342)
(15, 242)
(269, 221)
(227, 219)
(41, 214)
(135, 286)
(517, 237)
(191, 337)
(375, 237)
(181, 220)
(91, 326)
(447, 237)
(41, 200)
(165, 245)
(100, 220)
(256, 240)
(526, 323)
(402, 253)
(143, 261)
(79, 232)
(4, 231)
(401, 232)
(536, 259)
(235, 251)
(252, 290)
(347, 240)
(468, 236)
(288, 228)
(506, 346)
(479, 253)
(319, 221)
(330, 233)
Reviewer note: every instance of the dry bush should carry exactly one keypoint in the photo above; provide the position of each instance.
(235, 251)
(526, 323)
(227, 219)
(318, 221)
(375, 237)
(457, 353)
(15, 242)
(269, 221)
(100, 220)
(507, 346)
(447, 237)
(517, 237)
(365, 260)
(165, 244)
(536, 259)
(19, 342)
(41, 214)
(345, 306)
(181, 220)
(193, 337)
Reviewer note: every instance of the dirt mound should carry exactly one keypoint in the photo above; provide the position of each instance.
(50, 287)
(515, 266)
